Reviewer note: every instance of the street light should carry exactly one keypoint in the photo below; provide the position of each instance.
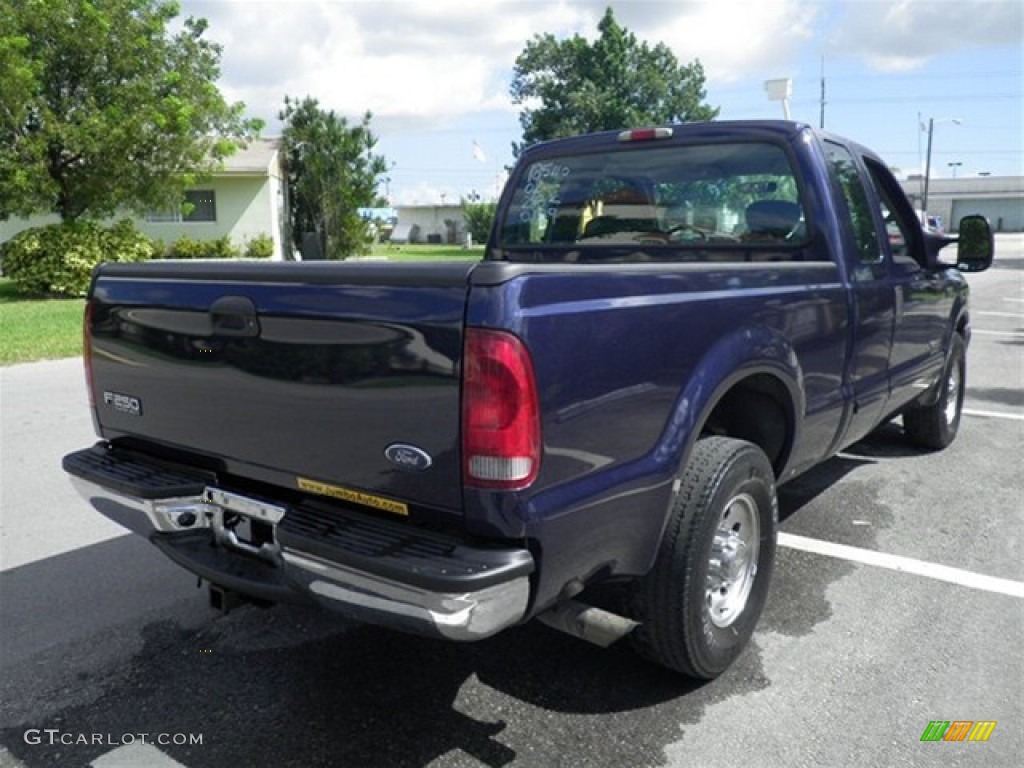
(928, 160)
(954, 166)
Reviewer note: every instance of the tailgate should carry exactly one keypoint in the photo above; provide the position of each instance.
(330, 377)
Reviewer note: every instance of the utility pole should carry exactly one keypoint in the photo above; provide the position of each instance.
(928, 160)
(927, 170)
(920, 130)
(821, 120)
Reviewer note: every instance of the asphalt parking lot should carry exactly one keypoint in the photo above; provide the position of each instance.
(898, 600)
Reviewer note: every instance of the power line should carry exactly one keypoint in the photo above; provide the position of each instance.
(923, 99)
(888, 79)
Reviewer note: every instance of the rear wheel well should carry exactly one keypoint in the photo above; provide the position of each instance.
(757, 409)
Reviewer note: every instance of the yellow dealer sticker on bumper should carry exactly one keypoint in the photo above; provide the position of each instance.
(349, 494)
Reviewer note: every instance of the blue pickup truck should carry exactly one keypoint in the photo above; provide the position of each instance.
(668, 323)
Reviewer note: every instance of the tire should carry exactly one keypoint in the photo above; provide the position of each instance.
(935, 426)
(695, 617)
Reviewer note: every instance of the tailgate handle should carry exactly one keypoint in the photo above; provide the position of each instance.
(234, 316)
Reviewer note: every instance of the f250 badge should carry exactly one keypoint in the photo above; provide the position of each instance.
(126, 404)
(408, 457)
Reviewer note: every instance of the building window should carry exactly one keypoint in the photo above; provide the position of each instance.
(163, 217)
(202, 207)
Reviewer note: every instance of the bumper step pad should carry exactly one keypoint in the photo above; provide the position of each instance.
(134, 475)
(426, 559)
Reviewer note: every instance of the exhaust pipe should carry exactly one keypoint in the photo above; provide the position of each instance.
(595, 625)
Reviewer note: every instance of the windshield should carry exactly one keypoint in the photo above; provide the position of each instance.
(641, 195)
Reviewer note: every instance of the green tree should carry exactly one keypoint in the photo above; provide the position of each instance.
(615, 82)
(332, 173)
(102, 108)
(479, 217)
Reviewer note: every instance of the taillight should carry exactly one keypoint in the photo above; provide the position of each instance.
(501, 440)
(87, 351)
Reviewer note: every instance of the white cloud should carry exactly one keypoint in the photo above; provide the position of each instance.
(422, 59)
(899, 35)
(732, 38)
(450, 57)
(436, 60)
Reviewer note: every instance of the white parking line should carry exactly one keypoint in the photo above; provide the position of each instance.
(1017, 300)
(135, 756)
(904, 565)
(1016, 315)
(993, 414)
(1012, 334)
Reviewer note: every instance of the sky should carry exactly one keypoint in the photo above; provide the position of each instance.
(436, 73)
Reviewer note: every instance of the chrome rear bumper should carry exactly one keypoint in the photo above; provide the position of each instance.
(411, 580)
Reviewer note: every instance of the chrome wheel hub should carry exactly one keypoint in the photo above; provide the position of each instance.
(952, 394)
(732, 567)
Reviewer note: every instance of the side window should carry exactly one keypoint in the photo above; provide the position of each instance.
(901, 227)
(862, 220)
(897, 232)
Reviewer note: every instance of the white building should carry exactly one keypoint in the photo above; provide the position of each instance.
(433, 223)
(1000, 199)
(243, 200)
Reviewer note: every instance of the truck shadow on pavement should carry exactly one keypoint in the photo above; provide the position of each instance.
(364, 696)
(294, 686)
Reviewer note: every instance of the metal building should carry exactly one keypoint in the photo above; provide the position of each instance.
(999, 198)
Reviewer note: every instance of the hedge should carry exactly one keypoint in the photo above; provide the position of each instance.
(57, 260)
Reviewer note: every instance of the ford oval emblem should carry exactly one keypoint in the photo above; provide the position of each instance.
(408, 457)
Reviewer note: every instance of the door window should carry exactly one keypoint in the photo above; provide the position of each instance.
(901, 226)
(862, 220)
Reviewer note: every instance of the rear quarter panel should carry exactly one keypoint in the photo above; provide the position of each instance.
(629, 362)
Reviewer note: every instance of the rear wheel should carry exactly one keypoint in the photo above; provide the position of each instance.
(700, 602)
(935, 426)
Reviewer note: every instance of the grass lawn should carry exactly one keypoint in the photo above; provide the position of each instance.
(421, 252)
(38, 329)
(45, 329)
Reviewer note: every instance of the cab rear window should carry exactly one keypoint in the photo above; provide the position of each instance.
(658, 198)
